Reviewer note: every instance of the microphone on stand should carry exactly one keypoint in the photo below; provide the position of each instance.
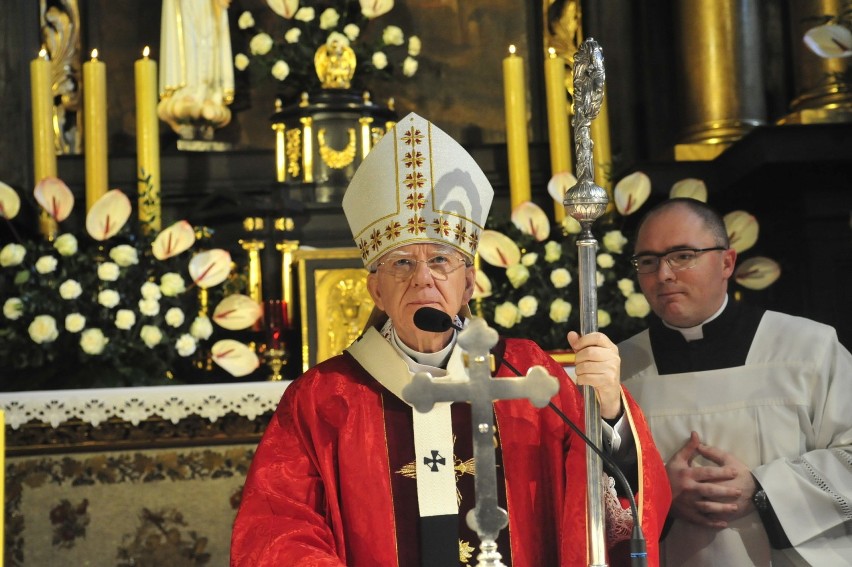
(436, 321)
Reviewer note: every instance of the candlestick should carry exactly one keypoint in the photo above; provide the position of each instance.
(147, 143)
(44, 149)
(516, 128)
(95, 128)
(557, 120)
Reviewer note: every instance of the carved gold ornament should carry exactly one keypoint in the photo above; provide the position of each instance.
(337, 159)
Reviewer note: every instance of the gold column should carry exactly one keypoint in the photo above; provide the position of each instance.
(287, 248)
(822, 89)
(721, 73)
(253, 247)
(307, 149)
(280, 146)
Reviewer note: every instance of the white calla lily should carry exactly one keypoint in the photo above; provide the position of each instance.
(236, 358)
(375, 8)
(742, 229)
(631, 192)
(54, 197)
(689, 188)
(10, 202)
(829, 41)
(237, 312)
(498, 249)
(177, 238)
(531, 219)
(559, 185)
(757, 273)
(108, 215)
(481, 286)
(284, 8)
(210, 268)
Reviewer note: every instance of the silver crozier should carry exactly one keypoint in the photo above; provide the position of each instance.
(586, 202)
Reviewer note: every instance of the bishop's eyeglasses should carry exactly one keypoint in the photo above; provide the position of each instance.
(403, 267)
(682, 259)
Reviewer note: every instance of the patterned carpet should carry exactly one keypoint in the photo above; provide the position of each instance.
(147, 508)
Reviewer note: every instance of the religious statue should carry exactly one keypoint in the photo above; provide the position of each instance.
(196, 70)
(335, 65)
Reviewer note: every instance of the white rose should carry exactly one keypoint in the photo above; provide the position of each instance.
(74, 323)
(13, 308)
(125, 319)
(149, 307)
(93, 341)
(637, 306)
(109, 298)
(185, 345)
(108, 271)
(599, 279)
(560, 310)
(605, 260)
(626, 286)
(46, 264)
(66, 244)
(70, 289)
(175, 317)
(414, 45)
(409, 66)
(12, 255)
(614, 241)
(329, 19)
(517, 274)
(201, 328)
(506, 315)
(528, 305)
(552, 251)
(260, 44)
(43, 329)
(305, 14)
(603, 318)
(292, 35)
(352, 31)
(392, 35)
(529, 259)
(380, 60)
(172, 284)
(124, 255)
(560, 278)
(246, 20)
(241, 61)
(150, 290)
(150, 335)
(280, 70)
(571, 225)
(337, 37)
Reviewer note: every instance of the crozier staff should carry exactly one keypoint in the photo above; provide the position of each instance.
(348, 474)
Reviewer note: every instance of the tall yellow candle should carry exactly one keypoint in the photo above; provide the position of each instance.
(44, 149)
(516, 128)
(147, 143)
(557, 120)
(95, 128)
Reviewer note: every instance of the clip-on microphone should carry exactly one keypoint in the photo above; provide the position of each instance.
(436, 321)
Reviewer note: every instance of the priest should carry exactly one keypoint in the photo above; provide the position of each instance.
(347, 473)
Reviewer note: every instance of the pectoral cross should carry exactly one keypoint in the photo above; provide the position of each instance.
(481, 390)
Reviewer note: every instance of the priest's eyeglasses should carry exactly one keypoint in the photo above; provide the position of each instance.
(403, 267)
(682, 259)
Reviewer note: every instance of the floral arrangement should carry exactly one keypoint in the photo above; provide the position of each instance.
(528, 284)
(112, 308)
(832, 37)
(286, 50)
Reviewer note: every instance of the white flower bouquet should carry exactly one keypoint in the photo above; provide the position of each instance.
(528, 284)
(112, 308)
(283, 43)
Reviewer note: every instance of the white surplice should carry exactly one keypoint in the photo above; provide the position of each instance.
(787, 414)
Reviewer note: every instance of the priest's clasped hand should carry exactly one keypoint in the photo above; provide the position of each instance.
(711, 495)
(598, 364)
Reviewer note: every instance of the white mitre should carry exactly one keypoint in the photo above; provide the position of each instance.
(417, 185)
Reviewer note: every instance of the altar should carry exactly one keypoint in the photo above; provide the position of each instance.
(129, 476)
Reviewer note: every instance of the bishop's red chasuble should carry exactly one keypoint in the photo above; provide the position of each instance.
(332, 480)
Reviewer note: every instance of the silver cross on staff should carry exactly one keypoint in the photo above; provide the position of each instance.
(487, 518)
